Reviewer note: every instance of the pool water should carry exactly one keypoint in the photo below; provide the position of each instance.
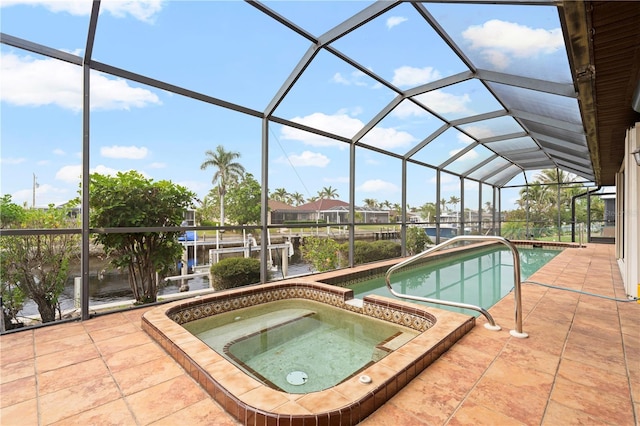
(479, 278)
(284, 343)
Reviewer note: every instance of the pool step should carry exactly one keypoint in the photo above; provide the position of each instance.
(241, 327)
(390, 345)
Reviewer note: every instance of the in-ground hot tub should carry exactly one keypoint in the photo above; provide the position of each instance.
(414, 337)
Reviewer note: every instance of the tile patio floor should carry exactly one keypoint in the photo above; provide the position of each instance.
(580, 365)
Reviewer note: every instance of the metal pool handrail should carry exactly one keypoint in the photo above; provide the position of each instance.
(516, 273)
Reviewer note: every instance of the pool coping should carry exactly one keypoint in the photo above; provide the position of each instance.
(347, 403)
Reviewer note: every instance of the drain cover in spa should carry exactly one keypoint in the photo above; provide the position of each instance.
(297, 378)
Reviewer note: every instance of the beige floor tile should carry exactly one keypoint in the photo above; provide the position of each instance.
(56, 360)
(64, 344)
(115, 344)
(17, 370)
(18, 390)
(123, 330)
(112, 413)
(558, 414)
(506, 386)
(202, 413)
(392, 415)
(24, 413)
(175, 395)
(71, 375)
(471, 414)
(601, 378)
(137, 378)
(593, 402)
(76, 399)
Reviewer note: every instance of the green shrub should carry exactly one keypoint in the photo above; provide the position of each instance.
(366, 252)
(417, 240)
(322, 253)
(235, 272)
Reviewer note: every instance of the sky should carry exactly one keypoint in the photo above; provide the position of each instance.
(231, 51)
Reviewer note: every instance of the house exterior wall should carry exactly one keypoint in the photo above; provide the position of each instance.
(628, 225)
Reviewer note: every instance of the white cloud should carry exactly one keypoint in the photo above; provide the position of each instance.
(408, 109)
(411, 76)
(500, 41)
(395, 20)
(45, 194)
(143, 10)
(58, 151)
(352, 112)
(444, 103)
(339, 124)
(126, 152)
(157, 165)
(378, 186)
(69, 174)
(306, 159)
(72, 174)
(342, 124)
(12, 160)
(388, 138)
(27, 81)
(354, 78)
(338, 78)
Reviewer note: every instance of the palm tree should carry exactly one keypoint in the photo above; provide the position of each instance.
(280, 194)
(370, 202)
(453, 200)
(328, 192)
(428, 211)
(228, 171)
(488, 207)
(297, 198)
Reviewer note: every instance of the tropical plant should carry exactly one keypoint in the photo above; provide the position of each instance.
(129, 200)
(328, 193)
(280, 194)
(297, 198)
(206, 213)
(454, 201)
(428, 211)
(228, 170)
(243, 201)
(10, 213)
(417, 240)
(36, 266)
(370, 202)
(322, 253)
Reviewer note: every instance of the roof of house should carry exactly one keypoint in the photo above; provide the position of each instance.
(323, 204)
(275, 205)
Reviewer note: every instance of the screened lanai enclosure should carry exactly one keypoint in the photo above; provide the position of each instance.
(349, 120)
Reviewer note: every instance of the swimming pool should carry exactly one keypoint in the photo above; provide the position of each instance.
(478, 277)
